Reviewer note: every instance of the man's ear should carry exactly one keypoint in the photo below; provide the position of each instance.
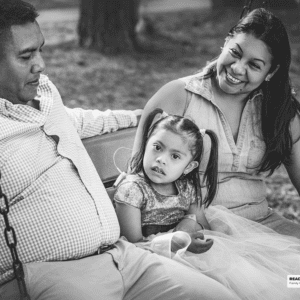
(190, 167)
(270, 75)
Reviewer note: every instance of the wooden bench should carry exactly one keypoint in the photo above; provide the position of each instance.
(110, 151)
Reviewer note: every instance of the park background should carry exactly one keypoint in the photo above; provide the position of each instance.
(178, 39)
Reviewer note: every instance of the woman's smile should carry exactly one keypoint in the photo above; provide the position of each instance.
(232, 79)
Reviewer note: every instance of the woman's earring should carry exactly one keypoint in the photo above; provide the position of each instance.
(267, 78)
(221, 48)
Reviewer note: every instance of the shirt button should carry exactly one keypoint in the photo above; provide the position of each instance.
(21, 198)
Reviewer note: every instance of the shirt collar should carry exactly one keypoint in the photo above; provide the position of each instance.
(201, 86)
(26, 113)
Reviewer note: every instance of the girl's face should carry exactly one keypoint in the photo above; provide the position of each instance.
(243, 64)
(167, 157)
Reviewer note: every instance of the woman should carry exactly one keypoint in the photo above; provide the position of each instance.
(244, 96)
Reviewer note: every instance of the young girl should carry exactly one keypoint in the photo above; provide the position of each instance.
(164, 188)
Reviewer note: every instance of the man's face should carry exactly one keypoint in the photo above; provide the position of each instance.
(21, 63)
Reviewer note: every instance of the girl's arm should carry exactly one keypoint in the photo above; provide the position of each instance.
(200, 216)
(130, 222)
(200, 222)
(198, 244)
(129, 199)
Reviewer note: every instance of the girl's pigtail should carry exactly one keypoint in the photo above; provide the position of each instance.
(136, 162)
(211, 172)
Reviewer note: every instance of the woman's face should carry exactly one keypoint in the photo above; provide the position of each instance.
(243, 64)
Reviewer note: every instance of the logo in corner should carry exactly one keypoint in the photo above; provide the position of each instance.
(293, 281)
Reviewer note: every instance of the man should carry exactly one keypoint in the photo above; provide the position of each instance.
(62, 215)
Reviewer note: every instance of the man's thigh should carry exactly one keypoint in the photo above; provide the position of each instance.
(149, 276)
(281, 225)
(10, 291)
(126, 272)
(94, 277)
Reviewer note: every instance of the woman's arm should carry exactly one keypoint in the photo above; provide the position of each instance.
(293, 168)
(171, 98)
(130, 222)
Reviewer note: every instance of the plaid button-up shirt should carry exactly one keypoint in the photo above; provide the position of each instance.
(58, 205)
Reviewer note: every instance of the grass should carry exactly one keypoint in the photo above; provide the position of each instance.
(49, 4)
(181, 44)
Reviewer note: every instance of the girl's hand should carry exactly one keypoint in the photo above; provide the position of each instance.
(199, 244)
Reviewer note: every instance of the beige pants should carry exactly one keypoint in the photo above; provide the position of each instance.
(126, 272)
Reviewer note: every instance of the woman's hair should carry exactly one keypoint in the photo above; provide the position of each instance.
(188, 129)
(279, 106)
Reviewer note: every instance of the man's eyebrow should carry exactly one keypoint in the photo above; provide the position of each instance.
(30, 49)
(261, 60)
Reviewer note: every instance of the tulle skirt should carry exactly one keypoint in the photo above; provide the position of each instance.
(248, 258)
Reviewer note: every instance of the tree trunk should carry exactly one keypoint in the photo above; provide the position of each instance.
(108, 25)
(218, 4)
(276, 4)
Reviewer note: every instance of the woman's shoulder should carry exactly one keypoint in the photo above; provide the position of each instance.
(197, 76)
(172, 97)
(174, 87)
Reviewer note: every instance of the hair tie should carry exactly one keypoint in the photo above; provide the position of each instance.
(203, 131)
